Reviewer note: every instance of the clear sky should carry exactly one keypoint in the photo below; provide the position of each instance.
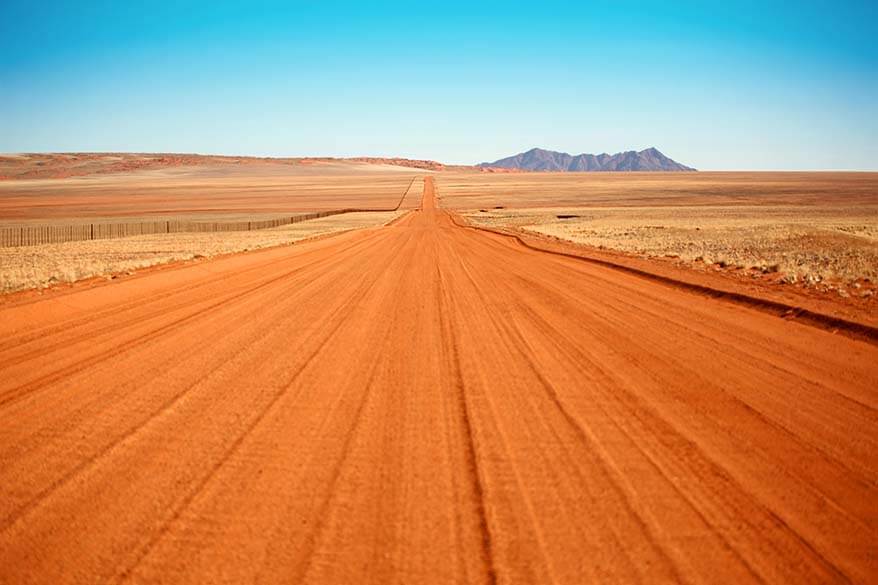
(716, 85)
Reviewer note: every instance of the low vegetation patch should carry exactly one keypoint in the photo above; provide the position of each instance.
(48, 264)
(827, 247)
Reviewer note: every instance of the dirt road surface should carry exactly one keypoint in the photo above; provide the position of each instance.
(427, 403)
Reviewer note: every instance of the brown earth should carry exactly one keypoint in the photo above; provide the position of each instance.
(79, 164)
(427, 403)
(204, 191)
(488, 190)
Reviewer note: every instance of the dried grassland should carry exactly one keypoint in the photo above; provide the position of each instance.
(810, 244)
(804, 228)
(486, 190)
(45, 265)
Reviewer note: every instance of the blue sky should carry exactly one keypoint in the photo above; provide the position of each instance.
(716, 85)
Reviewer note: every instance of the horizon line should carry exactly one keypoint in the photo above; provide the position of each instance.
(432, 160)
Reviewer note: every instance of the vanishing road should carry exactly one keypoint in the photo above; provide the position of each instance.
(428, 403)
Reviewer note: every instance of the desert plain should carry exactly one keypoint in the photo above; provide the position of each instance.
(477, 378)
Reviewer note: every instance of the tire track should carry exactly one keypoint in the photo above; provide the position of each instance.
(654, 421)
(505, 333)
(122, 576)
(165, 407)
(465, 422)
(425, 403)
(852, 329)
(114, 312)
(18, 392)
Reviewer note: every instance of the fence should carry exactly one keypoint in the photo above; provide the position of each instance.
(33, 235)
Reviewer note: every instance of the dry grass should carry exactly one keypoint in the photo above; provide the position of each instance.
(803, 242)
(806, 227)
(41, 266)
(485, 190)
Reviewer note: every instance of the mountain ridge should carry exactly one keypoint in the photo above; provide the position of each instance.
(538, 159)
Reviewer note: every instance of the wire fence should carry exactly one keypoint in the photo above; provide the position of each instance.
(33, 235)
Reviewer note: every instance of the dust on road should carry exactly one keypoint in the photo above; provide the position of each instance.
(424, 403)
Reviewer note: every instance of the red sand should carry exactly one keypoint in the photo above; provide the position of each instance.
(425, 403)
(204, 191)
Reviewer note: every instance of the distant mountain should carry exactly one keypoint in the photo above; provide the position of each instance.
(537, 159)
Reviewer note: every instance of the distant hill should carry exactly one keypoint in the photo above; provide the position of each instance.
(537, 159)
(80, 164)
